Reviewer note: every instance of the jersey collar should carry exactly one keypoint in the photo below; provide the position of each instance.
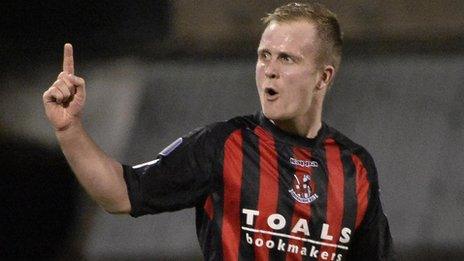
(292, 138)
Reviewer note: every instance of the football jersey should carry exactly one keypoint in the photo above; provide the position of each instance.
(261, 193)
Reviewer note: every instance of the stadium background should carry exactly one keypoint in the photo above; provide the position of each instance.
(157, 69)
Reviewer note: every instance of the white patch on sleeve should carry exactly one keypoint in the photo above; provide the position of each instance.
(163, 153)
(171, 147)
(145, 164)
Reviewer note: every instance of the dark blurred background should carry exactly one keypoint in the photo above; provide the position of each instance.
(157, 69)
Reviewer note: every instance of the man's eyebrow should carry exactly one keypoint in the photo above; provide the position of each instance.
(262, 50)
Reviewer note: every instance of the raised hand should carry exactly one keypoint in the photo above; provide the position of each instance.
(65, 99)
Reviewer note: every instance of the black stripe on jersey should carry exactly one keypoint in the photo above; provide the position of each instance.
(213, 250)
(349, 197)
(319, 206)
(308, 245)
(250, 187)
(285, 202)
(202, 234)
(210, 237)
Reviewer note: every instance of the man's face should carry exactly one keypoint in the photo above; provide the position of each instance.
(286, 70)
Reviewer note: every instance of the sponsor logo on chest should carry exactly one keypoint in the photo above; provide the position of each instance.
(301, 185)
(335, 245)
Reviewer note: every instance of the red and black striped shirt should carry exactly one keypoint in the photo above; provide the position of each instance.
(263, 194)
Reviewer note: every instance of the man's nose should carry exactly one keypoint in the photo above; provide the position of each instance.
(271, 71)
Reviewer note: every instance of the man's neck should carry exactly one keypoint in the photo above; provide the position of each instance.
(307, 126)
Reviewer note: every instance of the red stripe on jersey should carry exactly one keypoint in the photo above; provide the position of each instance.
(232, 178)
(362, 189)
(301, 210)
(208, 207)
(335, 193)
(268, 188)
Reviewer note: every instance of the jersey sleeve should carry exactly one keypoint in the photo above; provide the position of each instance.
(178, 178)
(373, 240)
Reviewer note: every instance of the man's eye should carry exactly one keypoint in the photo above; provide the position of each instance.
(287, 59)
(265, 55)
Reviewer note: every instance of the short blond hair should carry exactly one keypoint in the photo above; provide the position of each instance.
(326, 23)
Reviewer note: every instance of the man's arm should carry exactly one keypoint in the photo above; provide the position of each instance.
(99, 174)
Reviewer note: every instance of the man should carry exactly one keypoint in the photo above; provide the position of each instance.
(277, 185)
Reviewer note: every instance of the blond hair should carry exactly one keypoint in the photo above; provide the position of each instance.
(326, 22)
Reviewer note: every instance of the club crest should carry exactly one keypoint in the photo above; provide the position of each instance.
(301, 189)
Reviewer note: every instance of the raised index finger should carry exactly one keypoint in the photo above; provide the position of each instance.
(68, 59)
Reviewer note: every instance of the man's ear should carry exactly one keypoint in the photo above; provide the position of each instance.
(326, 77)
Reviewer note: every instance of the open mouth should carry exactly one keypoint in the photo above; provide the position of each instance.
(270, 91)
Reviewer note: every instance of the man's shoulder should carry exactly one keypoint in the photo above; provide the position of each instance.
(347, 145)
(223, 129)
(237, 122)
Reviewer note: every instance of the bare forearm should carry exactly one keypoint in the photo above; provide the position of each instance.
(99, 174)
